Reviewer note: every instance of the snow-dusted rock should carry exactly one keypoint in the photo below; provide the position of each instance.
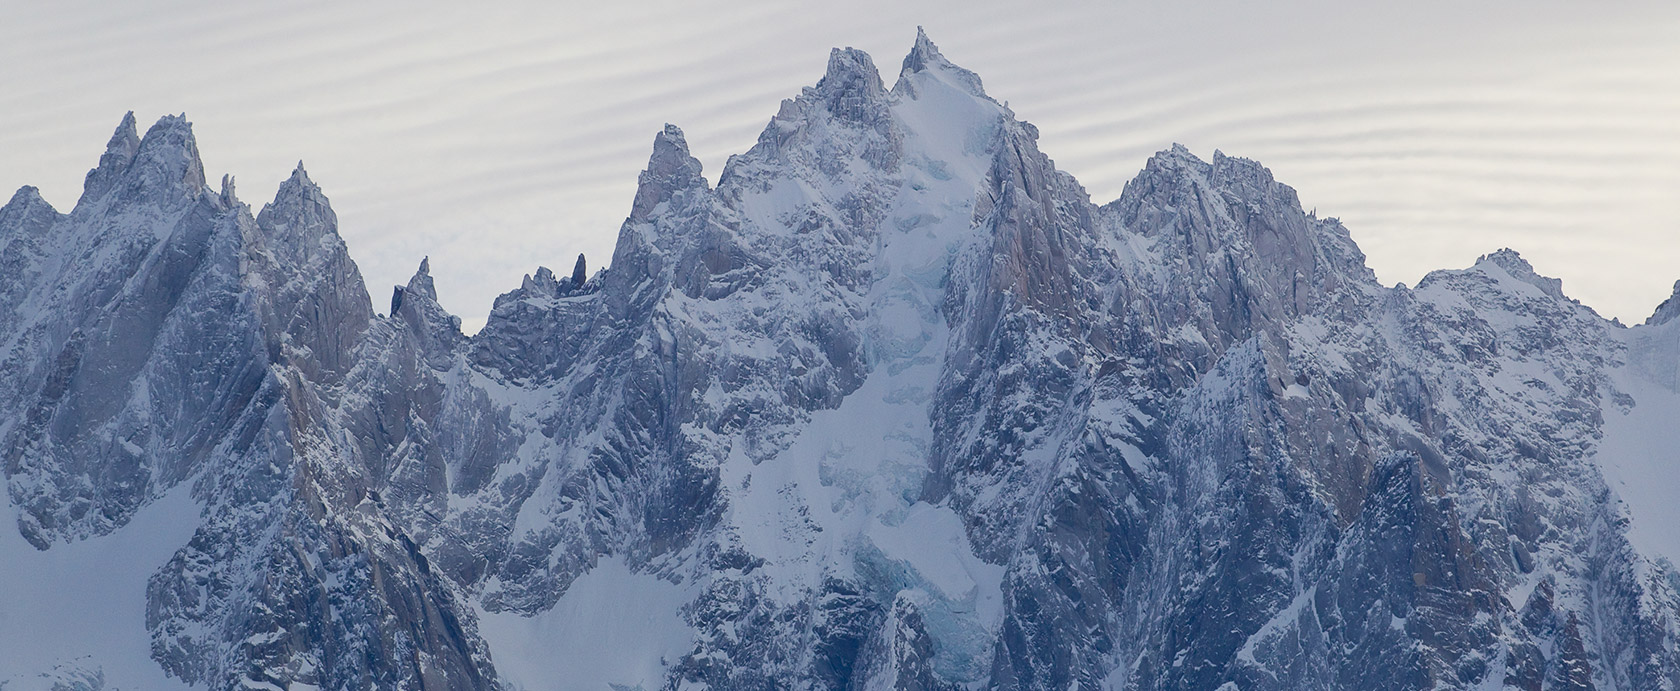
(892, 406)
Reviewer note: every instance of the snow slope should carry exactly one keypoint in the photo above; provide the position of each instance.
(1640, 451)
(613, 629)
(82, 605)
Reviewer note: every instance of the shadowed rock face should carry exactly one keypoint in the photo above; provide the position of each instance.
(892, 406)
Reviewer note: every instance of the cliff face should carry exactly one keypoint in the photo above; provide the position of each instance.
(893, 406)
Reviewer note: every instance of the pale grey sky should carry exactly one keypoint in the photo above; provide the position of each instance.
(499, 139)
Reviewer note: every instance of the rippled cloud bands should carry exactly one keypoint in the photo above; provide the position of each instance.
(495, 140)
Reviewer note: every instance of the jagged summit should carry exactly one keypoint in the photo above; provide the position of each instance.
(27, 194)
(851, 88)
(26, 209)
(300, 210)
(1516, 267)
(1175, 157)
(922, 53)
(311, 265)
(298, 185)
(671, 169)
(1508, 259)
(435, 332)
(421, 282)
(228, 194)
(673, 135)
(542, 283)
(419, 286)
(1668, 310)
(119, 151)
(125, 140)
(851, 72)
(580, 273)
(164, 164)
(168, 155)
(925, 56)
(1178, 165)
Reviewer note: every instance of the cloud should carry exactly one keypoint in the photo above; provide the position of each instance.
(499, 139)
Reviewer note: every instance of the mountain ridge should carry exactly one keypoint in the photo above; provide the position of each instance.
(1184, 439)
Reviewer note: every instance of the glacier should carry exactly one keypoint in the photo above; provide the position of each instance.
(891, 405)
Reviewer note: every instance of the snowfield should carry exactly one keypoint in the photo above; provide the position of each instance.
(78, 610)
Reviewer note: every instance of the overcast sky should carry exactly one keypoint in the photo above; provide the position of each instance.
(495, 140)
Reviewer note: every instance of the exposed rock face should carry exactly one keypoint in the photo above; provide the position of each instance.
(580, 274)
(171, 338)
(893, 406)
(1668, 310)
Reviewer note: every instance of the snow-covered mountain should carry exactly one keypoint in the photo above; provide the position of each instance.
(893, 406)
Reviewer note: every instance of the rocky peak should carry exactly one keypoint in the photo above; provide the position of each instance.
(229, 197)
(164, 165)
(922, 53)
(671, 169)
(851, 89)
(1228, 200)
(580, 273)
(26, 226)
(543, 284)
(1248, 175)
(1668, 310)
(437, 332)
(25, 204)
(119, 152)
(1258, 257)
(925, 57)
(1222, 171)
(1508, 261)
(298, 186)
(299, 212)
(24, 195)
(1174, 167)
(419, 286)
(319, 298)
(167, 160)
(1178, 192)
(847, 115)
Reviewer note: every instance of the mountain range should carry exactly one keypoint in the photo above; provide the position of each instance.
(892, 405)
